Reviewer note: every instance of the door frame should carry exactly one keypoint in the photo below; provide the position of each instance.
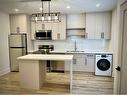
(123, 7)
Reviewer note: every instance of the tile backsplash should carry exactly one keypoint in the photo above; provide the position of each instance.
(81, 44)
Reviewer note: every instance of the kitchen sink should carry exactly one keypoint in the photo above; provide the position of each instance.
(75, 51)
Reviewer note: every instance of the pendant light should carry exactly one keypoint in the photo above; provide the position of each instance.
(47, 17)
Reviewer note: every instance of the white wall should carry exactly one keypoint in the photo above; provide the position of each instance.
(4, 51)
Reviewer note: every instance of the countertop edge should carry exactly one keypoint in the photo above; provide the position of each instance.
(85, 52)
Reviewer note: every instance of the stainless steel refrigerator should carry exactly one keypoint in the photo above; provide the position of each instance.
(17, 47)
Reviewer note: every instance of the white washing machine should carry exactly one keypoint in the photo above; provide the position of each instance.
(103, 65)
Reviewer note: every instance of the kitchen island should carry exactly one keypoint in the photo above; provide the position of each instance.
(32, 69)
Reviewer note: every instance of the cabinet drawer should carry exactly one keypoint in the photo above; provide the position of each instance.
(89, 55)
(79, 55)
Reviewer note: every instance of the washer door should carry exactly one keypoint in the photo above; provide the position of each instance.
(103, 64)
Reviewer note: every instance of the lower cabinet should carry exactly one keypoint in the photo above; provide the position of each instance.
(89, 63)
(82, 62)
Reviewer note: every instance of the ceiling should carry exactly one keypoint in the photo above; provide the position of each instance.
(76, 6)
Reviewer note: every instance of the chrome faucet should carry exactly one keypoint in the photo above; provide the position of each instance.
(75, 46)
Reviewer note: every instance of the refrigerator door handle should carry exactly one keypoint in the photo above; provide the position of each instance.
(17, 47)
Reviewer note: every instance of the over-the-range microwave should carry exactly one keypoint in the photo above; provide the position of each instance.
(43, 35)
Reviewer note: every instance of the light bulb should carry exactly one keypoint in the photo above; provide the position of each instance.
(56, 17)
(68, 7)
(16, 10)
(42, 18)
(49, 17)
(98, 5)
(40, 9)
(36, 18)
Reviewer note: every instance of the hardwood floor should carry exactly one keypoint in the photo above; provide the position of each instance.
(58, 84)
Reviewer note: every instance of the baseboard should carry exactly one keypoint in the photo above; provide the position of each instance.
(4, 71)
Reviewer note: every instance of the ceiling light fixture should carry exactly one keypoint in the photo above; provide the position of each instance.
(68, 7)
(50, 16)
(40, 9)
(98, 5)
(16, 10)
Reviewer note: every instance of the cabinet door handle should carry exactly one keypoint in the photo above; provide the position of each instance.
(102, 35)
(43, 26)
(85, 61)
(90, 55)
(58, 35)
(86, 35)
(74, 61)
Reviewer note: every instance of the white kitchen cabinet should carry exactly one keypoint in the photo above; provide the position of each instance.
(47, 26)
(82, 62)
(98, 25)
(78, 63)
(18, 22)
(107, 25)
(55, 31)
(90, 25)
(76, 25)
(76, 20)
(89, 63)
(58, 28)
(33, 29)
(62, 27)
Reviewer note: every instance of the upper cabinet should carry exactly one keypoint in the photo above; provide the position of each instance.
(18, 22)
(58, 28)
(98, 25)
(76, 25)
(76, 21)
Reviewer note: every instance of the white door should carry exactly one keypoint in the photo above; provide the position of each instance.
(123, 51)
(123, 81)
